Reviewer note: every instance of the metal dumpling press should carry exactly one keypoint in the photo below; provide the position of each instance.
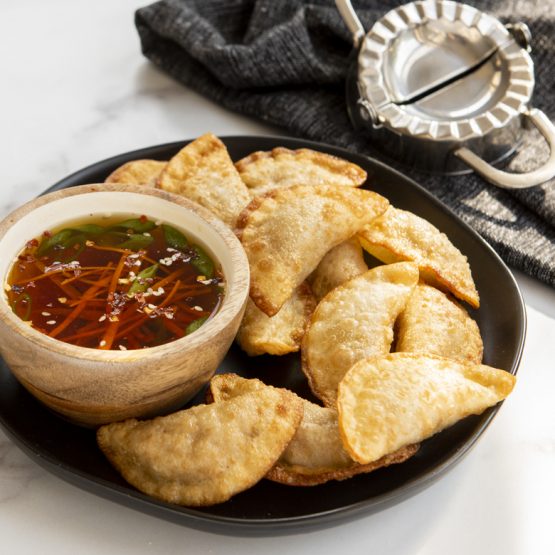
(444, 87)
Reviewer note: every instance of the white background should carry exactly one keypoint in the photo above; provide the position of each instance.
(75, 89)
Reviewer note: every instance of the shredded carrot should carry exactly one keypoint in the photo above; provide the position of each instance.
(82, 275)
(83, 334)
(168, 279)
(45, 275)
(170, 295)
(79, 308)
(116, 275)
(116, 249)
(192, 311)
(173, 327)
(109, 336)
(87, 314)
(74, 302)
(112, 328)
(133, 324)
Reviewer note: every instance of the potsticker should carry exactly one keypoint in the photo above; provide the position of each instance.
(286, 233)
(206, 454)
(401, 235)
(203, 172)
(280, 334)
(339, 265)
(387, 402)
(436, 324)
(316, 454)
(282, 167)
(137, 172)
(353, 322)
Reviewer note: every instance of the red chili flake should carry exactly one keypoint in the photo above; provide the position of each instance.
(47, 233)
(143, 219)
(32, 243)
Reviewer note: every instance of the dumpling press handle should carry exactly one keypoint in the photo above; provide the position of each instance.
(517, 180)
(351, 19)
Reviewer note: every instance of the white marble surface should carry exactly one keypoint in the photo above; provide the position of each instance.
(75, 89)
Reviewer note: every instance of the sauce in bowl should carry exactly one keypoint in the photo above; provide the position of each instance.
(114, 283)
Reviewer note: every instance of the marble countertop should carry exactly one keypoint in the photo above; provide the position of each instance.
(75, 89)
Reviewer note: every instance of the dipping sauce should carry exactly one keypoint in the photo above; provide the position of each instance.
(118, 283)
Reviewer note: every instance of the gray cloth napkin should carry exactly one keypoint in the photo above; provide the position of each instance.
(285, 62)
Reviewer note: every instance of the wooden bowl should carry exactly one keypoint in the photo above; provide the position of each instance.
(91, 386)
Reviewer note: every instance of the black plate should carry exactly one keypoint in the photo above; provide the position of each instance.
(70, 452)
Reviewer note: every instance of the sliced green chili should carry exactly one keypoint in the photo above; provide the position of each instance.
(194, 326)
(174, 237)
(136, 242)
(137, 225)
(70, 244)
(202, 262)
(140, 285)
(57, 239)
(26, 298)
(111, 238)
(93, 229)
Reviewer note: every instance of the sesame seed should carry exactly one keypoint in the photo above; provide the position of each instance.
(102, 343)
(122, 347)
(146, 234)
(123, 281)
(197, 308)
(171, 249)
(153, 306)
(168, 315)
(51, 322)
(102, 318)
(45, 313)
(62, 300)
(89, 243)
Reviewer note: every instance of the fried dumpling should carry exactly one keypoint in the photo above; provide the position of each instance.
(286, 233)
(203, 172)
(353, 322)
(282, 167)
(316, 454)
(401, 235)
(387, 402)
(435, 324)
(339, 265)
(280, 334)
(137, 172)
(206, 454)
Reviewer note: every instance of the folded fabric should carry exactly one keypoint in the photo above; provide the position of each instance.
(285, 62)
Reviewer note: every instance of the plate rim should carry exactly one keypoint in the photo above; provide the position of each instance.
(276, 525)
